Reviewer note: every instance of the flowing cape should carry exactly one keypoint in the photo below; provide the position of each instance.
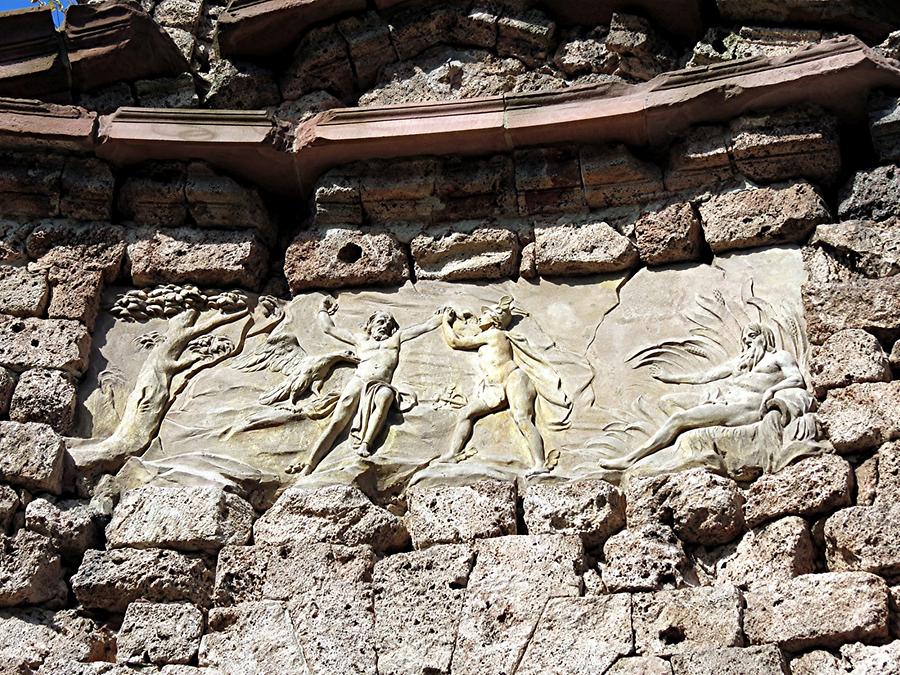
(554, 407)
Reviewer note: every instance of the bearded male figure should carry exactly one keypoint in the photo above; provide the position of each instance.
(368, 395)
(748, 385)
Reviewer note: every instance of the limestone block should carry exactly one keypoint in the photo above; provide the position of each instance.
(817, 610)
(108, 99)
(9, 504)
(306, 107)
(111, 580)
(867, 481)
(71, 525)
(182, 518)
(584, 54)
(582, 248)
(369, 44)
(810, 487)
(847, 357)
(7, 385)
(451, 514)
(184, 14)
(22, 292)
(668, 235)
(641, 665)
(887, 474)
(338, 197)
(871, 194)
(513, 579)
(337, 258)
(527, 36)
(253, 637)
(68, 245)
(701, 158)
(32, 637)
(31, 456)
(646, 558)
(29, 185)
(773, 552)
(884, 124)
(13, 235)
(476, 26)
(87, 189)
(30, 572)
(586, 634)
(612, 176)
(215, 200)
(238, 85)
(168, 92)
(75, 294)
(449, 255)
(864, 538)
(159, 633)
(767, 660)
(45, 396)
(336, 514)
(412, 31)
(154, 195)
(548, 180)
(776, 214)
(871, 659)
(592, 509)
(871, 248)
(869, 304)
(328, 593)
(817, 662)
(642, 53)
(861, 416)
(894, 357)
(219, 258)
(413, 636)
(793, 143)
(321, 61)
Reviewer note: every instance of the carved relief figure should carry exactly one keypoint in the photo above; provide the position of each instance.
(513, 378)
(368, 395)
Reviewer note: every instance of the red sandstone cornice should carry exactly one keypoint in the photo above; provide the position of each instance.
(837, 74)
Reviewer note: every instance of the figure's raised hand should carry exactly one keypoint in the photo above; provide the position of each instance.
(329, 305)
(448, 313)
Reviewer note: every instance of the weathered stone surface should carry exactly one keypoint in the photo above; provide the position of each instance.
(585, 53)
(527, 36)
(215, 200)
(413, 636)
(643, 559)
(817, 662)
(32, 637)
(87, 189)
(45, 396)
(33, 58)
(547, 181)
(182, 518)
(871, 194)
(22, 292)
(106, 100)
(592, 509)
(184, 14)
(773, 552)
(688, 619)
(78, 247)
(612, 176)
(238, 85)
(159, 633)
(29, 185)
(111, 580)
(871, 659)
(641, 665)
(817, 610)
(864, 538)
(13, 235)
(767, 660)
(153, 194)
(452, 255)
(884, 124)
(869, 304)
(808, 488)
(253, 637)
(720, 45)
(167, 92)
(75, 294)
(328, 593)
(777, 214)
(861, 416)
(111, 42)
(7, 385)
(369, 45)
(847, 357)
(321, 61)
(871, 248)
(512, 581)
(71, 525)
(582, 248)
(337, 258)
(448, 514)
(642, 53)
(886, 488)
(206, 257)
(31, 455)
(701, 158)
(669, 235)
(799, 142)
(9, 503)
(30, 572)
(336, 514)
(585, 634)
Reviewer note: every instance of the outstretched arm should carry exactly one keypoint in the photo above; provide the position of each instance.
(328, 308)
(420, 329)
(717, 373)
(456, 341)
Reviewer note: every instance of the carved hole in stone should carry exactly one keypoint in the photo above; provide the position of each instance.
(349, 253)
(35, 343)
(672, 635)
(17, 327)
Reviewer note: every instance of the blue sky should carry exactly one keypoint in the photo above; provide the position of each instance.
(18, 4)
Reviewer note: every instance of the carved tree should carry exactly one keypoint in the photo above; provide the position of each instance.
(188, 346)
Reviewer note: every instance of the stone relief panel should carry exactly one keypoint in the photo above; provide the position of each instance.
(695, 365)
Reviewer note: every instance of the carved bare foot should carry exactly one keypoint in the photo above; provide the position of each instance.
(538, 471)
(363, 450)
(300, 468)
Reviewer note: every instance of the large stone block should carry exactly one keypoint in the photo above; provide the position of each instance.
(612, 176)
(337, 514)
(33, 61)
(320, 62)
(369, 44)
(701, 158)
(810, 487)
(449, 514)
(527, 36)
(159, 633)
(44, 343)
(30, 572)
(640, 665)
(338, 258)
(237, 85)
(75, 294)
(413, 636)
(548, 181)
(23, 292)
(9, 504)
(31, 456)
(183, 518)
(592, 509)
(669, 235)
(871, 194)
(453, 255)
(87, 189)
(31, 639)
(76, 247)
(45, 396)
(864, 538)
(111, 580)
(582, 248)
(215, 200)
(777, 214)
(847, 357)
(868, 304)
(861, 416)
(643, 54)
(72, 526)
(869, 247)
(884, 123)
(153, 194)
(767, 660)
(29, 185)
(817, 610)
(646, 558)
(586, 634)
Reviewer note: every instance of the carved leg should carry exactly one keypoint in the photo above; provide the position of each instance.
(384, 399)
(340, 418)
(462, 432)
(522, 395)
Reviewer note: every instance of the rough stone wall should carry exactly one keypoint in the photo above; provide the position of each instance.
(794, 572)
